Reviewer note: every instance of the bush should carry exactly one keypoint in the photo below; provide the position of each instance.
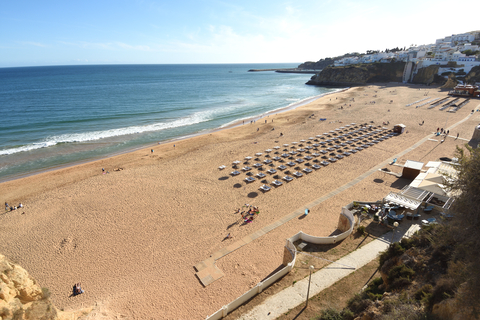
(423, 292)
(331, 314)
(400, 276)
(358, 303)
(444, 289)
(373, 291)
(394, 250)
(361, 230)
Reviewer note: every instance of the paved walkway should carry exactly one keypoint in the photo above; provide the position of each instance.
(278, 304)
(207, 271)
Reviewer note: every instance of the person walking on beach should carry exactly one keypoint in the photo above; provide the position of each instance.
(457, 136)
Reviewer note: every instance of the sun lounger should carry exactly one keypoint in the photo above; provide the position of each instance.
(307, 170)
(308, 158)
(325, 163)
(332, 159)
(267, 161)
(221, 167)
(339, 156)
(277, 183)
(316, 166)
(260, 175)
(249, 179)
(234, 173)
(265, 188)
(299, 160)
(291, 164)
(282, 167)
(246, 168)
(287, 178)
(298, 174)
(272, 171)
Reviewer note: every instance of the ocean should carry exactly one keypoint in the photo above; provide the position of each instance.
(61, 115)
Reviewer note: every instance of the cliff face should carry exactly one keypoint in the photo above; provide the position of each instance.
(359, 74)
(473, 75)
(428, 75)
(22, 298)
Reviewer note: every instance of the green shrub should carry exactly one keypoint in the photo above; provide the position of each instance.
(400, 276)
(361, 230)
(423, 292)
(394, 250)
(373, 292)
(358, 303)
(331, 314)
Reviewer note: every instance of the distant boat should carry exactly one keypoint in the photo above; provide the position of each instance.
(229, 71)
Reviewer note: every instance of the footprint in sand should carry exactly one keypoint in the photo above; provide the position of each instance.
(67, 245)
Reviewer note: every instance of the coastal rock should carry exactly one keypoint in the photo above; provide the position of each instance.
(359, 74)
(428, 76)
(451, 82)
(319, 65)
(22, 298)
(473, 75)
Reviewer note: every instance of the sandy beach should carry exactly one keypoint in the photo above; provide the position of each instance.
(133, 235)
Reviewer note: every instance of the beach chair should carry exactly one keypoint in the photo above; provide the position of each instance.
(277, 183)
(265, 188)
(221, 167)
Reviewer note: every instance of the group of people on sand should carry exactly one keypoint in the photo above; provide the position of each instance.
(11, 208)
(248, 212)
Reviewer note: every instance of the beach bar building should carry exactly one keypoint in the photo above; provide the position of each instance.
(412, 169)
(465, 91)
(399, 128)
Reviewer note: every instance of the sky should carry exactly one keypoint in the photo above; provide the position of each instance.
(38, 33)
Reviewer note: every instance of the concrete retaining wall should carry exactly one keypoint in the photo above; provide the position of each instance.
(289, 259)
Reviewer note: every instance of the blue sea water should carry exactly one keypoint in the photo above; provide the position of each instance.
(61, 115)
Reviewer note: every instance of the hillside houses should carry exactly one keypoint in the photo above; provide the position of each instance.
(450, 48)
(455, 53)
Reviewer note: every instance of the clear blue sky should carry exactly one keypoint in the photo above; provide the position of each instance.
(43, 32)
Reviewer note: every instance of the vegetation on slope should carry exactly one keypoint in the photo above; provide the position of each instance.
(434, 274)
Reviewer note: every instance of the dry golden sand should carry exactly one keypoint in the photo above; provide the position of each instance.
(132, 237)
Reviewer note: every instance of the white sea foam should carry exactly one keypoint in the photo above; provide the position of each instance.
(194, 118)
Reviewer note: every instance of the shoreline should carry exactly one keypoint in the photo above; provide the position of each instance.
(164, 212)
(234, 124)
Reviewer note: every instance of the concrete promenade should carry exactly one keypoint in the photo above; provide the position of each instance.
(295, 295)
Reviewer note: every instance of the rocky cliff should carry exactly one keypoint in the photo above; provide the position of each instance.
(473, 75)
(319, 65)
(428, 76)
(359, 74)
(22, 298)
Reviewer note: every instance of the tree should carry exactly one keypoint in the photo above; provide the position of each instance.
(465, 227)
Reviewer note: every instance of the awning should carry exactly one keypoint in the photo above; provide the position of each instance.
(402, 201)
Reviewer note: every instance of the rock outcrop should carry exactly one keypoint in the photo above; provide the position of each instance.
(473, 75)
(359, 74)
(319, 65)
(451, 82)
(428, 75)
(22, 298)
